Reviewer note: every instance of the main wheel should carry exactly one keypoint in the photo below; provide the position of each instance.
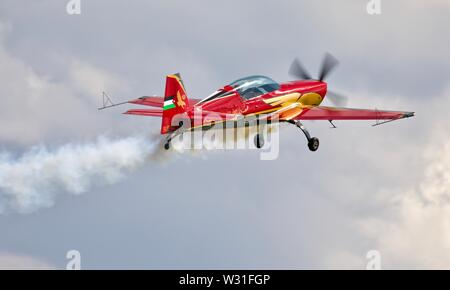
(259, 141)
(313, 144)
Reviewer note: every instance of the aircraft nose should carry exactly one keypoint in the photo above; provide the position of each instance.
(321, 88)
(322, 84)
(313, 86)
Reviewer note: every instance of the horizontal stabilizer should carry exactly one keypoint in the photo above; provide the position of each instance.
(155, 101)
(145, 112)
(152, 101)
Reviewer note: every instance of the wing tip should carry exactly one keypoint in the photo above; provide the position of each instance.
(409, 114)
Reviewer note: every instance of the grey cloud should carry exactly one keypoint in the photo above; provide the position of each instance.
(228, 209)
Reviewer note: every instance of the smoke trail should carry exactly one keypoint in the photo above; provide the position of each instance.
(33, 180)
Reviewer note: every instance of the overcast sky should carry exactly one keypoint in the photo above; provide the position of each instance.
(385, 188)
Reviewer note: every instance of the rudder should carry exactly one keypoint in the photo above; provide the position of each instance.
(175, 102)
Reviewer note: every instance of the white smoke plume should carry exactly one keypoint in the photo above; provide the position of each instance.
(34, 179)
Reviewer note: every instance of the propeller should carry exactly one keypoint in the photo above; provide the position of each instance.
(298, 71)
(337, 99)
(329, 63)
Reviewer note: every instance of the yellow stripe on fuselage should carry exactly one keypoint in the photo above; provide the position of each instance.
(283, 100)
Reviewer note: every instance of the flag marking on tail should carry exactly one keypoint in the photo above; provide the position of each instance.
(168, 103)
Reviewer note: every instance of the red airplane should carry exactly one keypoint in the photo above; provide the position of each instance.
(255, 96)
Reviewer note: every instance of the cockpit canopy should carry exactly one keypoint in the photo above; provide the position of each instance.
(248, 88)
(253, 86)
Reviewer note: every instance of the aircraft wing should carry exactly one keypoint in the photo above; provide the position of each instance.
(331, 113)
(156, 101)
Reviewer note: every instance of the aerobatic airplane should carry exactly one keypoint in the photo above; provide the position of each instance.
(259, 96)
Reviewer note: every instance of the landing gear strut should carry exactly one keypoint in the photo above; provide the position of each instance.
(313, 142)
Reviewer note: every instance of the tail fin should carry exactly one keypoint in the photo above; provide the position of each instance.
(175, 102)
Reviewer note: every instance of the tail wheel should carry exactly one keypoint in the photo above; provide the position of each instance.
(167, 145)
(259, 141)
(313, 144)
